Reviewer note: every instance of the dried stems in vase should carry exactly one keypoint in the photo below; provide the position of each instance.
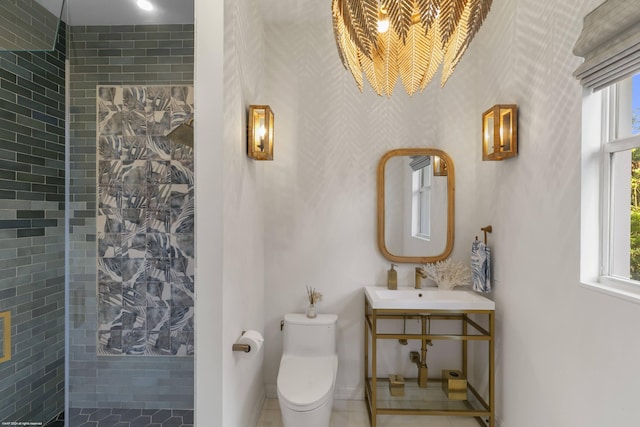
(313, 295)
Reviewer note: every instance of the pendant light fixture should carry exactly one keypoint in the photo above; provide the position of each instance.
(409, 39)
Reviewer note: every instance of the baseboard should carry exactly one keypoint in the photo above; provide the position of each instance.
(498, 422)
(348, 393)
(257, 409)
(271, 391)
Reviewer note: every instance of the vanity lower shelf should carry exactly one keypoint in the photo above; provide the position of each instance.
(417, 400)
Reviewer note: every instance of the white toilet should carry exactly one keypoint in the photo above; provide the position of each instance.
(308, 368)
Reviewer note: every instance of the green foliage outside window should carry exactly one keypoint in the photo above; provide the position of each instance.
(635, 202)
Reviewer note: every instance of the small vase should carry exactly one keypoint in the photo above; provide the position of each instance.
(311, 311)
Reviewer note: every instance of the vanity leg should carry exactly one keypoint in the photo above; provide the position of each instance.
(492, 371)
(374, 373)
(464, 347)
(367, 395)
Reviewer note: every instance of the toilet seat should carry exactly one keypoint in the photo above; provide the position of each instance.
(305, 383)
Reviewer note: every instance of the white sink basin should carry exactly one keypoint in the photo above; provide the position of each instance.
(426, 299)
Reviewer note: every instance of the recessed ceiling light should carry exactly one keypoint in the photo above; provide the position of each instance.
(144, 5)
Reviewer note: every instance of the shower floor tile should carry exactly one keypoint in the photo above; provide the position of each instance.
(119, 417)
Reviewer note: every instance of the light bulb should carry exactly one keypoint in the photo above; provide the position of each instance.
(383, 25)
(383, 21)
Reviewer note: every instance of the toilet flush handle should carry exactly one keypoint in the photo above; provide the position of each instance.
(282, 325)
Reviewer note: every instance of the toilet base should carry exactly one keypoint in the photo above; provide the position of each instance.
(318, 417)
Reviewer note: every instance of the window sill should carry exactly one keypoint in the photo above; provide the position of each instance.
(616, 288)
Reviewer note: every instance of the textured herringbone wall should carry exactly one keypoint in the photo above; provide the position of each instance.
(321, 189)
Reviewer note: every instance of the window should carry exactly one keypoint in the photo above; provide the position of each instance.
(619, 234)
(621, 176)
(421, 203)
(610, 74)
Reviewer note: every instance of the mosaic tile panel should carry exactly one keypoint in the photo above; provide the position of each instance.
(145, 222)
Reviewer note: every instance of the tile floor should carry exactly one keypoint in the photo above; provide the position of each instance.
(115, 417)
(353, 413)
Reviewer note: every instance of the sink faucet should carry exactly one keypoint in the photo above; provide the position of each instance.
(420, 274)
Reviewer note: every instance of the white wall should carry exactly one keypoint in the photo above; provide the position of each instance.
(321, 189)
(562, 348)
(243, 237)
(565, 354)
(209, 35)
(229, 211)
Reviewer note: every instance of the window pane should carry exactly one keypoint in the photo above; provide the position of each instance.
(425, 213)
(624, 243)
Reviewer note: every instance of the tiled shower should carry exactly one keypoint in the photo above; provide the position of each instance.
(130, 267)
(131, 199)
(32, 232)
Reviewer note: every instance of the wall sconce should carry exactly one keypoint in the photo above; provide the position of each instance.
(260, 134)
(500, 132)
(440, 166)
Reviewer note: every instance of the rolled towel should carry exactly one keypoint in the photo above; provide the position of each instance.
(480, 267)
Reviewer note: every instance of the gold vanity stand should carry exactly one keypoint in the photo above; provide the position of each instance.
(431, 400)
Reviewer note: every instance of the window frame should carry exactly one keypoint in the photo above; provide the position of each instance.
(596, 224)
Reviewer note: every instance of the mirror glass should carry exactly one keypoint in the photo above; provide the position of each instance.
(29, 24)
(415, 205)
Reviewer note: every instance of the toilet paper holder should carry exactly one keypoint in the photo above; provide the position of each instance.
(249, 343)
(241, 347)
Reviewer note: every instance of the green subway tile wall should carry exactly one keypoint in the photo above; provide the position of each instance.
(112, 56)
(32, 174)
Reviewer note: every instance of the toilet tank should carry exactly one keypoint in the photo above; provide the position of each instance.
(310, 337)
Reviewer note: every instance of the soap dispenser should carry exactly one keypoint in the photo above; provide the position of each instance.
(392, 278)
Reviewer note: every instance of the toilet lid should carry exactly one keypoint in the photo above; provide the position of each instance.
(305, 383)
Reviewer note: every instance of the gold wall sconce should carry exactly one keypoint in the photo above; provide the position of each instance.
(500, 132)
(260, 134)
(440, 167)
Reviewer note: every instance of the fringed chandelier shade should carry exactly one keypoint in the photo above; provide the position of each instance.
(387, 39)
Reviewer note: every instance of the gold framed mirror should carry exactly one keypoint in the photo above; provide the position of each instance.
(415, 204)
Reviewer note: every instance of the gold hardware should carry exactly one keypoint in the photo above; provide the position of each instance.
(241, 347)
(404, 341)
(5, 316)
(260, 132)
(500, 132)
(420, 274)
(396, 385)
(487, 229)
(392, 278)
(454, 384)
